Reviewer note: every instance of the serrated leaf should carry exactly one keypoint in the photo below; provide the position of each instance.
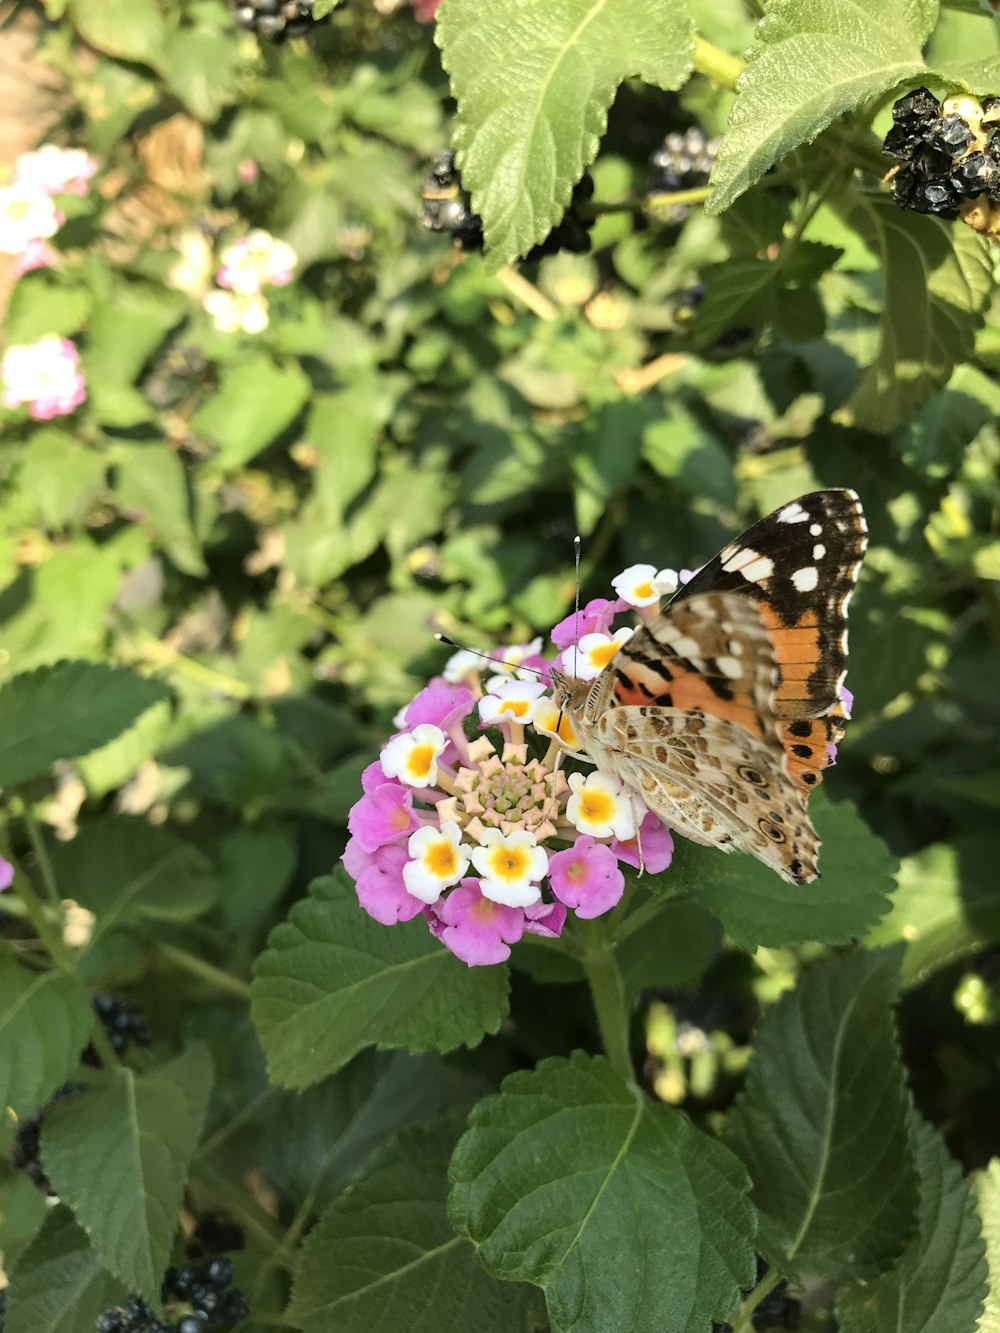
(811, 61)
(822, 1124)
(385, 1256)
(947, 905)
(986, 1184)
(44, 1021)
(151, 482)
(938, 281)
(757, 907)
(130, 873)
(939, 1284)
(333, 981)
(533, 84)
(119, 1157)
(66, 710)
(130, 29)
(255, 402)
(59, 1285)
(618, 1207)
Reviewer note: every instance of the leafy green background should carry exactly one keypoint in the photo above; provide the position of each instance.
(219, 581)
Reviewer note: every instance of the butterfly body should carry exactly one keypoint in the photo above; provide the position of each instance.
(722, 711)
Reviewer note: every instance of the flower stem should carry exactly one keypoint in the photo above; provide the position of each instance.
(716, 64)
(198, 967)
(608, 994)
(743, 1323)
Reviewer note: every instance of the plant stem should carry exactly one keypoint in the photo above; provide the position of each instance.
(27, 815)
(716, 64)
(198, 967)
(608, 994)
(743, 1323)
(519, 286)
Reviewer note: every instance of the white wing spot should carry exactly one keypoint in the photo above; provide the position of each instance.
(819, 551)
(793, 513)
(751, 564)
(729, 666)
(815, 529)
(735, 647)
(685, 646)
(806, 579)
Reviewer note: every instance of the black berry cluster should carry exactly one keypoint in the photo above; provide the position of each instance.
(276, 20)
(949, 155)
(682, 162)
(123, 1022)
(447, 207)
(196, 1297)
(25, 1153)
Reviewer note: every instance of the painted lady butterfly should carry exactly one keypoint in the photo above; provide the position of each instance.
(723, 711)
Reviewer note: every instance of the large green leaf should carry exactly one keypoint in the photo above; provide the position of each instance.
(747, 291)
(618, 1207)
(822, 1124)
(986, 1184)
(937, 282)
(59, 1285)
(756, 906)
(61, 475)
(534, 81)
(939, 1284)
(66, 710)
(384, 1255)
(44, 1021)
(333, 981)
(811, 61)
(119, 1157)
(947, 905)
(255, 402)
(150, 482)
(131, 29)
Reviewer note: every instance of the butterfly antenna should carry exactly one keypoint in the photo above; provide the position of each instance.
(577, 543)
(497, 661)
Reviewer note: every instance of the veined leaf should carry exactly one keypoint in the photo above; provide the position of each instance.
(534, 80)
(939, 1284)
(822, 1124)
(811, 61)
(59, 1285)
(333, 981)
(385, 1256)
(938, 281)
(66, 710)
(619, 1208)
(44, 1021)
(119, 1157)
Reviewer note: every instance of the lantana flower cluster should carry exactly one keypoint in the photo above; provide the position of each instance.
(255, 261)
(491, 838)
(44, 376)
(29, 215)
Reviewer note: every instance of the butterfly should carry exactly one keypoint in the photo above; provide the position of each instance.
(723, 710)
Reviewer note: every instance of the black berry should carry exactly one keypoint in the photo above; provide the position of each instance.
(277, 20)
(191, 1324)
(215, 1234)
(682, 162)
(25, 1153)
(219, 1272)
(947, 158)
(123, 1022)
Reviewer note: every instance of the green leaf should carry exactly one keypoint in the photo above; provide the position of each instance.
(119, 1157)
(40, 305)
(129, 29)
(61, 475)
(124, 332)
(947, 905)
(938, 281)
(333, 981)
(671, 948)
(151, 480)
(756, 906)
(59, 1285)
(533, 89)
(939, 1284)
(255, 402)
(384, 1255)
(606, 455)
(986, 1184)
(201, 67)
(811, 61)
(751, 292)
(44, 1021)
(131, 873)
(822, 1123)
(618, 1207)
(66, 710)
(255, 866)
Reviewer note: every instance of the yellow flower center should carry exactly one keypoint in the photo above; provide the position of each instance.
(603, 654)
(419, 760)
(644, 590)
(596, 806)
(441, 858)
(399, 819)
(509, 863)
(516, 706)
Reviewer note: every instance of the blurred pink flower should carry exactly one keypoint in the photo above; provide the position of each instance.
(425, 10)
(36, 254)
(26, 214)
(46, 376)
(56, 170)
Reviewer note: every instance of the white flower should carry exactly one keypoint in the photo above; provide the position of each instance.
(642, 585)
(193, 270)
(548, 718)
(26, 214)
(232, 313)
(55, 170)
(600, 806)
(460, 664)
(256, 261)
(508, 660)
(593, 653)
(510, 865)
(513, 701)
(412, 757)
(438, 861)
